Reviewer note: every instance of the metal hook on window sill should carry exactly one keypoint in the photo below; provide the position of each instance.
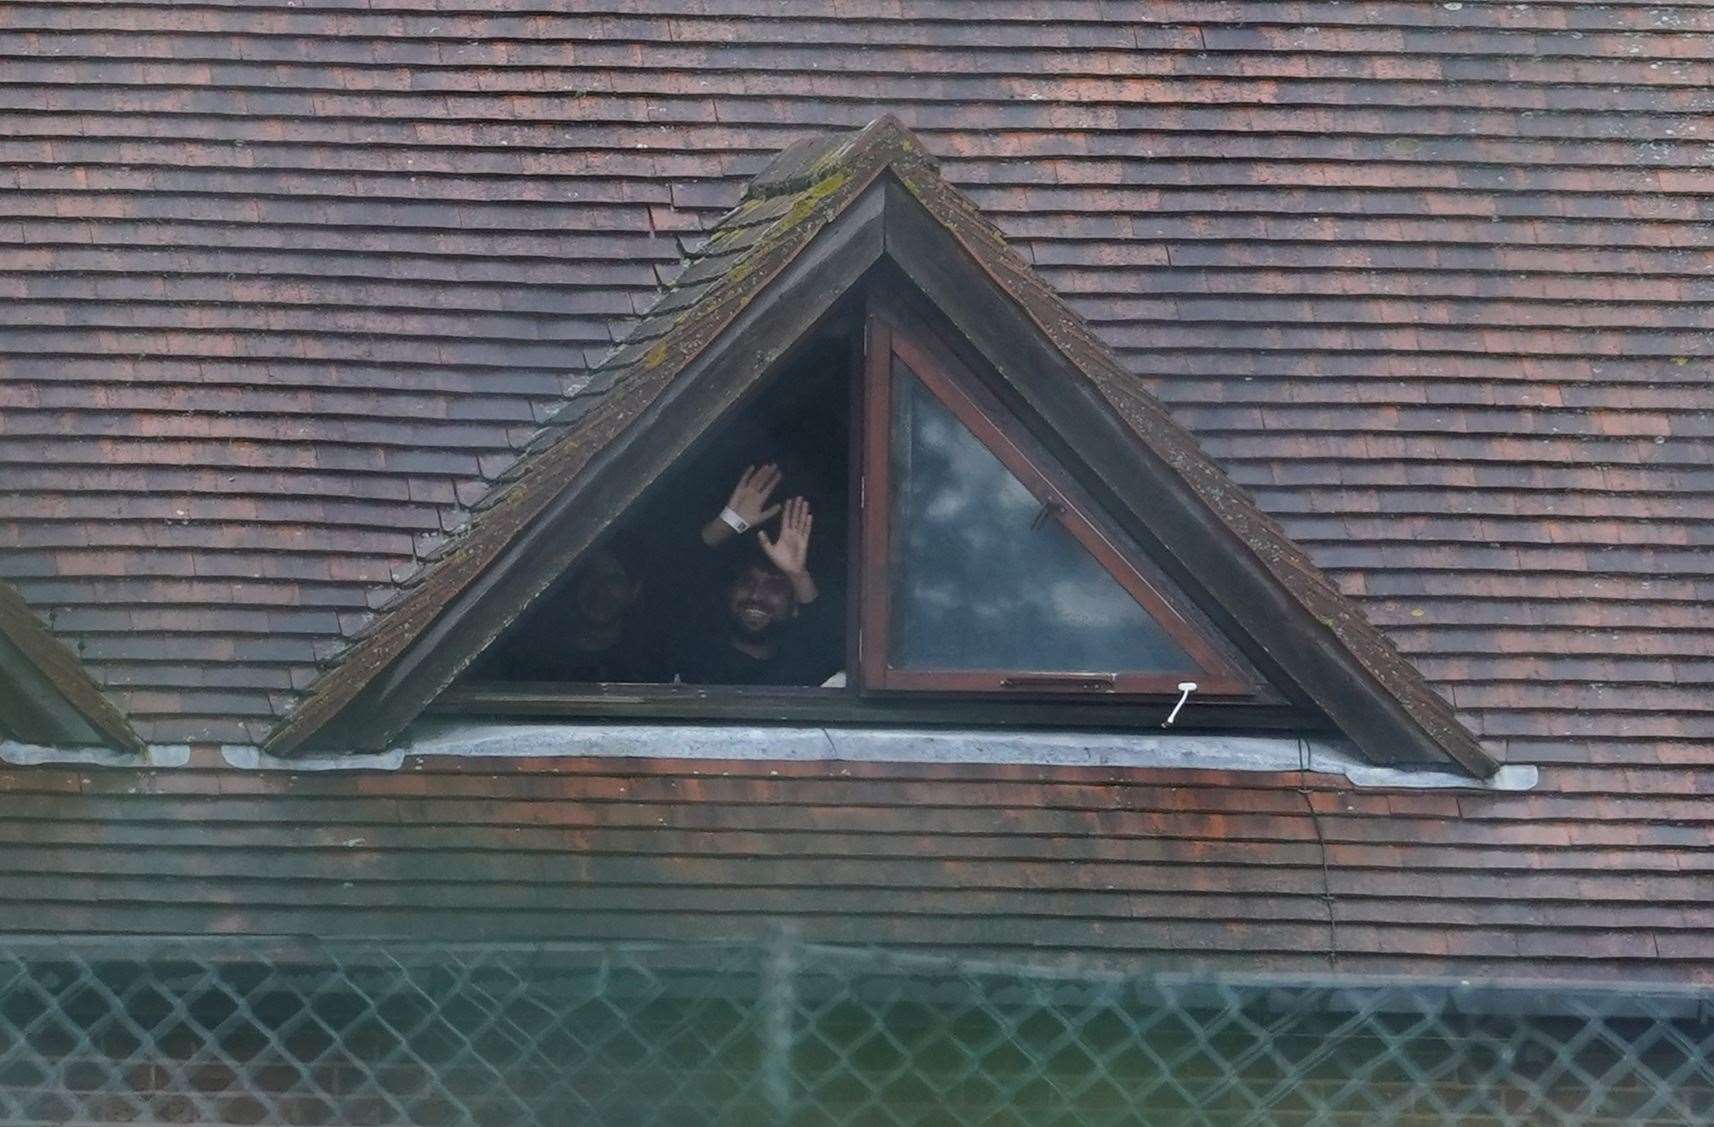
(1185, 688)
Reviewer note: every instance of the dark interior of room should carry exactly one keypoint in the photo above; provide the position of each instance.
(800, 421)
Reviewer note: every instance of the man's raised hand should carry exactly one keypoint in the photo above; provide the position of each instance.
(790, 551)
(747, 507)
(750, 496)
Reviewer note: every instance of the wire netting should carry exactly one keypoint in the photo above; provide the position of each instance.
(781, 1032)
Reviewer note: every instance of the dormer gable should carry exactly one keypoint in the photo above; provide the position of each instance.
(861, 226)
(46, 695)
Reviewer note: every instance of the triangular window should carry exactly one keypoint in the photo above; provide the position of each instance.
(949, 553)
(994, 579)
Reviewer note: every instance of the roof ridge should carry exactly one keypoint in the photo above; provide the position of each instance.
(809, 159)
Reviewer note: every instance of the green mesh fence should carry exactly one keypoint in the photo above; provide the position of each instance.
(225, 1032)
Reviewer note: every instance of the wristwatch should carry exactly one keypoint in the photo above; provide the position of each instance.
(733, 521)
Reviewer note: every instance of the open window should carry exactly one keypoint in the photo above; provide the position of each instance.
(983, 569)
(649, 604)
(959, 569)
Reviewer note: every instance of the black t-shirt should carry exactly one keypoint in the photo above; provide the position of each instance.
(808, 653)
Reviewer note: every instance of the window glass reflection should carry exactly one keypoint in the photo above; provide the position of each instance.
(978, 582)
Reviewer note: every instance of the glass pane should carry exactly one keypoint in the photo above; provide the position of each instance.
(978, 582)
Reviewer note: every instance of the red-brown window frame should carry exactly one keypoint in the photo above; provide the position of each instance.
(948, 382)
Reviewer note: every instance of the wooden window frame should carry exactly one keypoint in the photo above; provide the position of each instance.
(797, 705)
(875, 693)
(959, 391)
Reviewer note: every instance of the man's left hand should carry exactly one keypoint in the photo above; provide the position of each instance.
(790, 552)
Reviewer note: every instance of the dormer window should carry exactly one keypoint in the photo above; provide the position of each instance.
(1006, 526)
(951, 555)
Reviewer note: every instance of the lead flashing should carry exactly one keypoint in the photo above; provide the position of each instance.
(904, 746)
(36, 755)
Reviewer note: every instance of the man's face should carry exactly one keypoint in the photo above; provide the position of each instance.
(602, 590)
(758, 600)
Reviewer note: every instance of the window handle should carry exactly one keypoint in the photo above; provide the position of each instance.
(1185, 688)
(1060, 681)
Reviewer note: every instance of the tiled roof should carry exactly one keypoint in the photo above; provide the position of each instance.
(287, 287)
(1232, 870)
(292, 284)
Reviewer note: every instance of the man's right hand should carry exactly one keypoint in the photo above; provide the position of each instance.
(749, 501)
(750, 496)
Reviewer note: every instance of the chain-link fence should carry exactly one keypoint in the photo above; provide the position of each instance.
(193, 1032)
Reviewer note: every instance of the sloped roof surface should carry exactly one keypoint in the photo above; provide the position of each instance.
(1224, 869)
(295, 282)
(292, 284)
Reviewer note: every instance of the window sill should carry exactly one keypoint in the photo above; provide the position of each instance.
(762, 705)
(952, 749)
